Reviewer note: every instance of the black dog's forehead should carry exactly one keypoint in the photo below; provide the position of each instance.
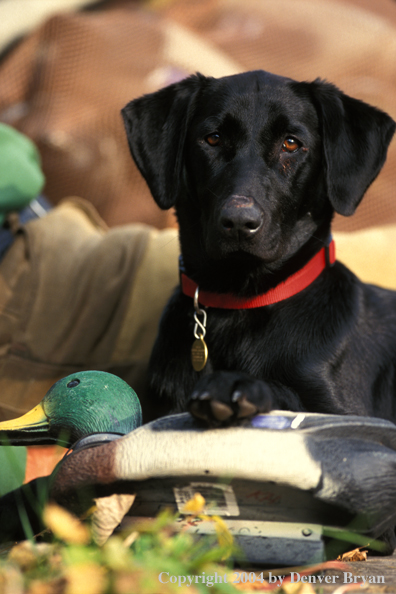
(259, 97)
(255, 81)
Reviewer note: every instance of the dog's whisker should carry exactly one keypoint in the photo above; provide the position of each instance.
(217, 196)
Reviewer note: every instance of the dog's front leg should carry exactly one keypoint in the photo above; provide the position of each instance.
(227, 397)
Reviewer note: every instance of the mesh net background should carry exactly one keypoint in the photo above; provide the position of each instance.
(65, 83)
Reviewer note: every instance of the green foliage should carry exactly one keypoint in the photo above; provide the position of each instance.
(12, 464)
(129, 562)
(132, 561)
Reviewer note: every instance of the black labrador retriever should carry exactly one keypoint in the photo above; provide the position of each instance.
(256, 165)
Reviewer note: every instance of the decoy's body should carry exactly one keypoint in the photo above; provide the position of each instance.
(76, 406)
(310, 475)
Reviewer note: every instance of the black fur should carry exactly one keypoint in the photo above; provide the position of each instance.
(251, 213)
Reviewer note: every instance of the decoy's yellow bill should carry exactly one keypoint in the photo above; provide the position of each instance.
(34, 422)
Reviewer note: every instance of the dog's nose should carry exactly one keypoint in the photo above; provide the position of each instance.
(240, 214)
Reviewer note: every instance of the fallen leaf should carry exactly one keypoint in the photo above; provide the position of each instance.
(24, 555)
(65, 525)
(355, 555)
(109, 511)
(44, 587)
(28, 555)
(11, 580)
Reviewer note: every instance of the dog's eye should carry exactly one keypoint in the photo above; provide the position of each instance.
(290, 145)
(213, 139)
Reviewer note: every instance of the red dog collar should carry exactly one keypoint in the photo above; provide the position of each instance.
(291, 286)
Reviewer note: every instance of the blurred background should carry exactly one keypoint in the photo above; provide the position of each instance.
(67, 67)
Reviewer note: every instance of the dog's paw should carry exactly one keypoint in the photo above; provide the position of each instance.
(224, 398)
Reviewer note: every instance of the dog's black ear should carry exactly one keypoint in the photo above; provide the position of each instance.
(356, 137)
(156, 127)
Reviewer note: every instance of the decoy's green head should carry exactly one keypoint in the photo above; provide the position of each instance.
(77, 405)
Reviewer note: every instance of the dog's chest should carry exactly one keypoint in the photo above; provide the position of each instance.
(259, 342)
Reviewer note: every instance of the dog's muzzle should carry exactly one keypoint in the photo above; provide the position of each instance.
(240, 218)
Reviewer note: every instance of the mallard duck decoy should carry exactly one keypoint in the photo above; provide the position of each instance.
(285, 482)
(78, 405)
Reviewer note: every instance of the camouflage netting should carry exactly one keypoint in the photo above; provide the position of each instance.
(65, 83)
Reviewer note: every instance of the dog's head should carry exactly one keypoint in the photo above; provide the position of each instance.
(255, 164)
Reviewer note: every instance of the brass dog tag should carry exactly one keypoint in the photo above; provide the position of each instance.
(199, 354)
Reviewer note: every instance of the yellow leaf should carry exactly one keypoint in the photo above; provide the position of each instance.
(65, 526)
(195, 505)
(224, 536)
(220, 523)
(85, 578)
